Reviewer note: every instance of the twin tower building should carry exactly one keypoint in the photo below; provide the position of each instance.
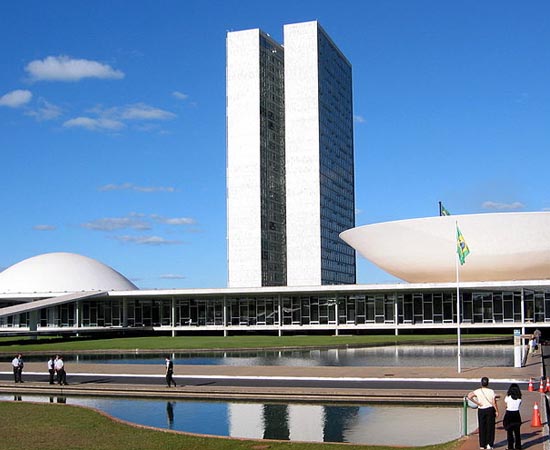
(290, 163)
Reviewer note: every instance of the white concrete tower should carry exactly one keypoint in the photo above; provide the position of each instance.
(290, 170)
(255, 161)
(319, 162)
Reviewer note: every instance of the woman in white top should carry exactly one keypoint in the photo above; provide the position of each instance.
(512, 418)
(487, 413)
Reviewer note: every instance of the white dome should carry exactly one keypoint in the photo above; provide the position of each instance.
(61, 272)
(503, 246)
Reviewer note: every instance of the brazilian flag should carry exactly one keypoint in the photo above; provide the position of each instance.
(461, 246)
(444, 212)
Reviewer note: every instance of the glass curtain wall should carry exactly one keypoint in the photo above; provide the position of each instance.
(353, 309)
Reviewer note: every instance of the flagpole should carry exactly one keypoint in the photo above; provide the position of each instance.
(458, 313)
(462, 251)
(458, 310)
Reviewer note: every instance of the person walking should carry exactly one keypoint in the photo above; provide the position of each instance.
(170, 372)
(17, 365)
(51, 368)
(60, 369)
(536, 335)
(512, 417)
(487, 412)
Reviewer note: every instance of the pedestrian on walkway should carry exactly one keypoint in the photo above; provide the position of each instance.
(487, 412)
(17, 364)
(60, 369)
(512, 417)
(51, 368)
(170, 372)
(536, 336)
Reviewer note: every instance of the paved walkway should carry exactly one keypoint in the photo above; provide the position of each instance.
(533, 438)
(106, 376)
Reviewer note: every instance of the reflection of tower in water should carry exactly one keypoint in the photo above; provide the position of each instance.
(337, 421)
(246, 420)
(295, 422)
(276, 422)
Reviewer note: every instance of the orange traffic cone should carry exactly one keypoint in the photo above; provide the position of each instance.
(530, 388)
(547, 384)
(542, 388)
(535, 421)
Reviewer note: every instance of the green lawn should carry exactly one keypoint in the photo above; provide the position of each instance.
(67, 427)
(182, 343)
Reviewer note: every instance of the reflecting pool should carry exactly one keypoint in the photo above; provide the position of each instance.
(365, 424)
(389, 356)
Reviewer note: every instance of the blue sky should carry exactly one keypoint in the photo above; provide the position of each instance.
(112, 121)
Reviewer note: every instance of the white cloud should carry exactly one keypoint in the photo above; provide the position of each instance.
(146, 240)
(133, 187)
(174, 220)
(359, 119)
(180, 95)
(141, 111)
(44, 227)
(172, 276)
(116, 223)
(140, 222)
(94, 124)
(64, 68)
(502, 206)
(15, 99)
(118, 117)
(45, 111)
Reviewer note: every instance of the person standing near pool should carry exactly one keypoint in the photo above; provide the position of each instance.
(17, 364)
(60, 369)
(487, 412)
(51, 368)
(512, 417)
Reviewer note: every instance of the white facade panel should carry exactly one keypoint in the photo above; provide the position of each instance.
(302, 154)
(243, 159)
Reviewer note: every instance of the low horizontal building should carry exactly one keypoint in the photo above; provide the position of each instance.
(68, 293)
(41, 295)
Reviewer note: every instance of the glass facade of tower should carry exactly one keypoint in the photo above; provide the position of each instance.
(272, 163)
(337, 189)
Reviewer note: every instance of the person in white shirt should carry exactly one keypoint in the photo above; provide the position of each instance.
(487, 412)
(60, 369)
(51, 368)
(512, 417)
(17, 364)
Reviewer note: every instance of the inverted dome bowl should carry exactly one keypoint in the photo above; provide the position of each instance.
(503, 246)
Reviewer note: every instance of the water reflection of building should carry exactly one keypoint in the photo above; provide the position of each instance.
(246, 420)
(294, 422)
(354, 424)
(416, 425)
(337, 421)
